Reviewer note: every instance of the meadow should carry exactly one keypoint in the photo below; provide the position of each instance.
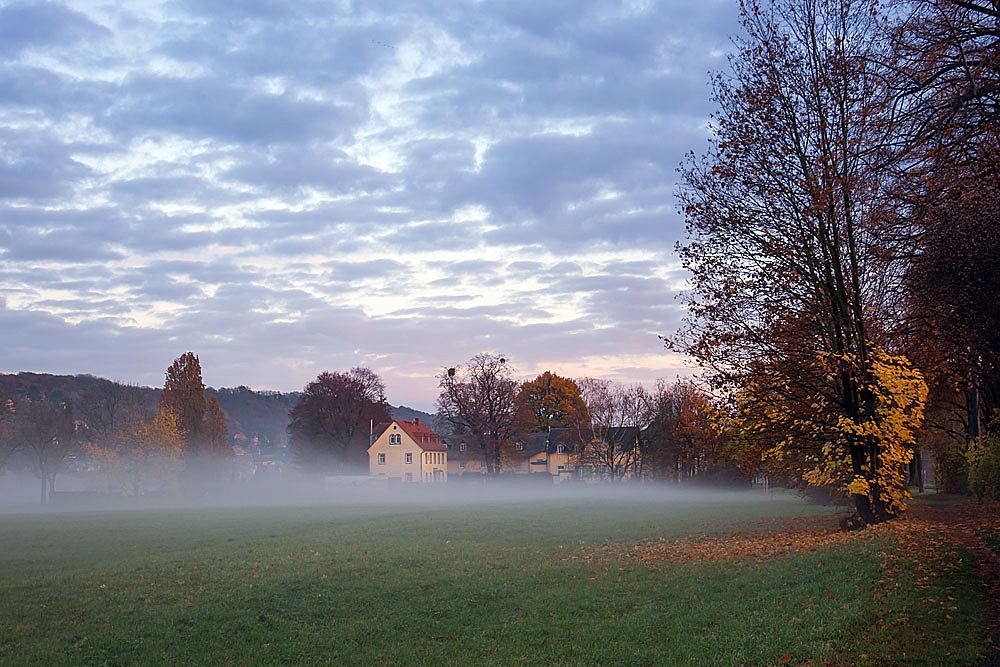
(599, 579)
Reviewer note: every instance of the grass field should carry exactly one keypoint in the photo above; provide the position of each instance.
(546, 581)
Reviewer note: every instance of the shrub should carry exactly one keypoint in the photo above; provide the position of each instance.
(984, 466)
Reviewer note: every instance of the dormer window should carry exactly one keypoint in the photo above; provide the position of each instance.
(520, 445)
(559, 449)
(461, 447)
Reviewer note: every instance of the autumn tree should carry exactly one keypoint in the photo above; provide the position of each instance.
(686, 433)
(947, 73)
(479, 399)
(549, 401)
(201, 423)
(794, 248)
(45, 431)
(331, 422)
(106, 406)
(140, 452)
(184, 396)
(8, 439)
(953, 285)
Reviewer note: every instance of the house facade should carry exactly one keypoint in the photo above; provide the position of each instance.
(408, 452)
(465, 456)
(554, 453)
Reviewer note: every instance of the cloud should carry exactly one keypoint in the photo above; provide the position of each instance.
(39, 25)
(287, 188)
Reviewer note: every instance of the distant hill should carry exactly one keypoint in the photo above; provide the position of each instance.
(407, 414)
(253, 413)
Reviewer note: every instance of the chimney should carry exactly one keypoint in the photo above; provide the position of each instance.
(416, 420)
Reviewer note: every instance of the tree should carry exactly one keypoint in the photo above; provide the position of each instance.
(106, 406)
(948, 77)
(663, 458)
(201, 423)
(808, 441)
(184, 396)
(947, 73)
(330, 424)
(8, 439)
(953, 285)
(140, 452)
(215, 434)
(794, 248)
(549, 401)
(613, 443)
(479, 399)
(46, 431)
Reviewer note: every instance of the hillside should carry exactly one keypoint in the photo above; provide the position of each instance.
(254, 413)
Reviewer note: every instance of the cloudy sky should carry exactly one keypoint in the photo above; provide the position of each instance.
(291, 187)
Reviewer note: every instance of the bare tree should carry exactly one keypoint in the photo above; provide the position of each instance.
(46, 432)
(662, 456)
(108, 407)
(480, 399)
(613, 442)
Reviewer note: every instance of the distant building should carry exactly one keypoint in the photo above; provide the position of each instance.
(465, 456)
(554, 452)
(408, 452)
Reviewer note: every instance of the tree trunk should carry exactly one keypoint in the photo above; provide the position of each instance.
(45, 481)
(972, 407)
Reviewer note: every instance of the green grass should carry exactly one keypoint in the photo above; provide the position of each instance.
(478, 584)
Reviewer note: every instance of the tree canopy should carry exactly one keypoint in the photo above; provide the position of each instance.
(549, 401)
(330, 424)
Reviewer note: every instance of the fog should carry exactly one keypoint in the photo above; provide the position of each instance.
(19, 493)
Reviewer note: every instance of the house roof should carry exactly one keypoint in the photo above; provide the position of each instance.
(426, 439)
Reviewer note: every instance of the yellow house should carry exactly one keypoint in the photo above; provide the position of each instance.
(465, 456)
(408, 452)
(555, 453)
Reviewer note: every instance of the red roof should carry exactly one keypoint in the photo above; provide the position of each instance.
(426, 439)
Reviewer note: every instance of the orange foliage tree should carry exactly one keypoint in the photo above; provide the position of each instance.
(549, 401)
(201, 422)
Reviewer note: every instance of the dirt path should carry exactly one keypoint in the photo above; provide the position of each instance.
(960, 523)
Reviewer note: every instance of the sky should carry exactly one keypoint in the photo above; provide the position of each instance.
(286, 188)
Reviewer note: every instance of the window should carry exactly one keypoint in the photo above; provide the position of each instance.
(461, 447)
(381, 459)
(461, 465)
(520, 445)
(395, 439)
(559, 449)
(409, 458)
(409, 477)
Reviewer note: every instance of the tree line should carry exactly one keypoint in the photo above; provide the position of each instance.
(618, 431)
(137, 444)
(843, 239)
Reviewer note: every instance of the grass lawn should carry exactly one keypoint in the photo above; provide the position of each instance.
(543, 582)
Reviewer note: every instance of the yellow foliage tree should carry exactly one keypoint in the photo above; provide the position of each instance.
(807, 441)
(141, 453)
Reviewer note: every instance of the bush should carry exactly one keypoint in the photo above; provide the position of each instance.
(951, 466)
(984, 466)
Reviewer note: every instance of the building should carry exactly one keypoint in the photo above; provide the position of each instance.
(408, 452)
(554, 452)
(465, 456)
